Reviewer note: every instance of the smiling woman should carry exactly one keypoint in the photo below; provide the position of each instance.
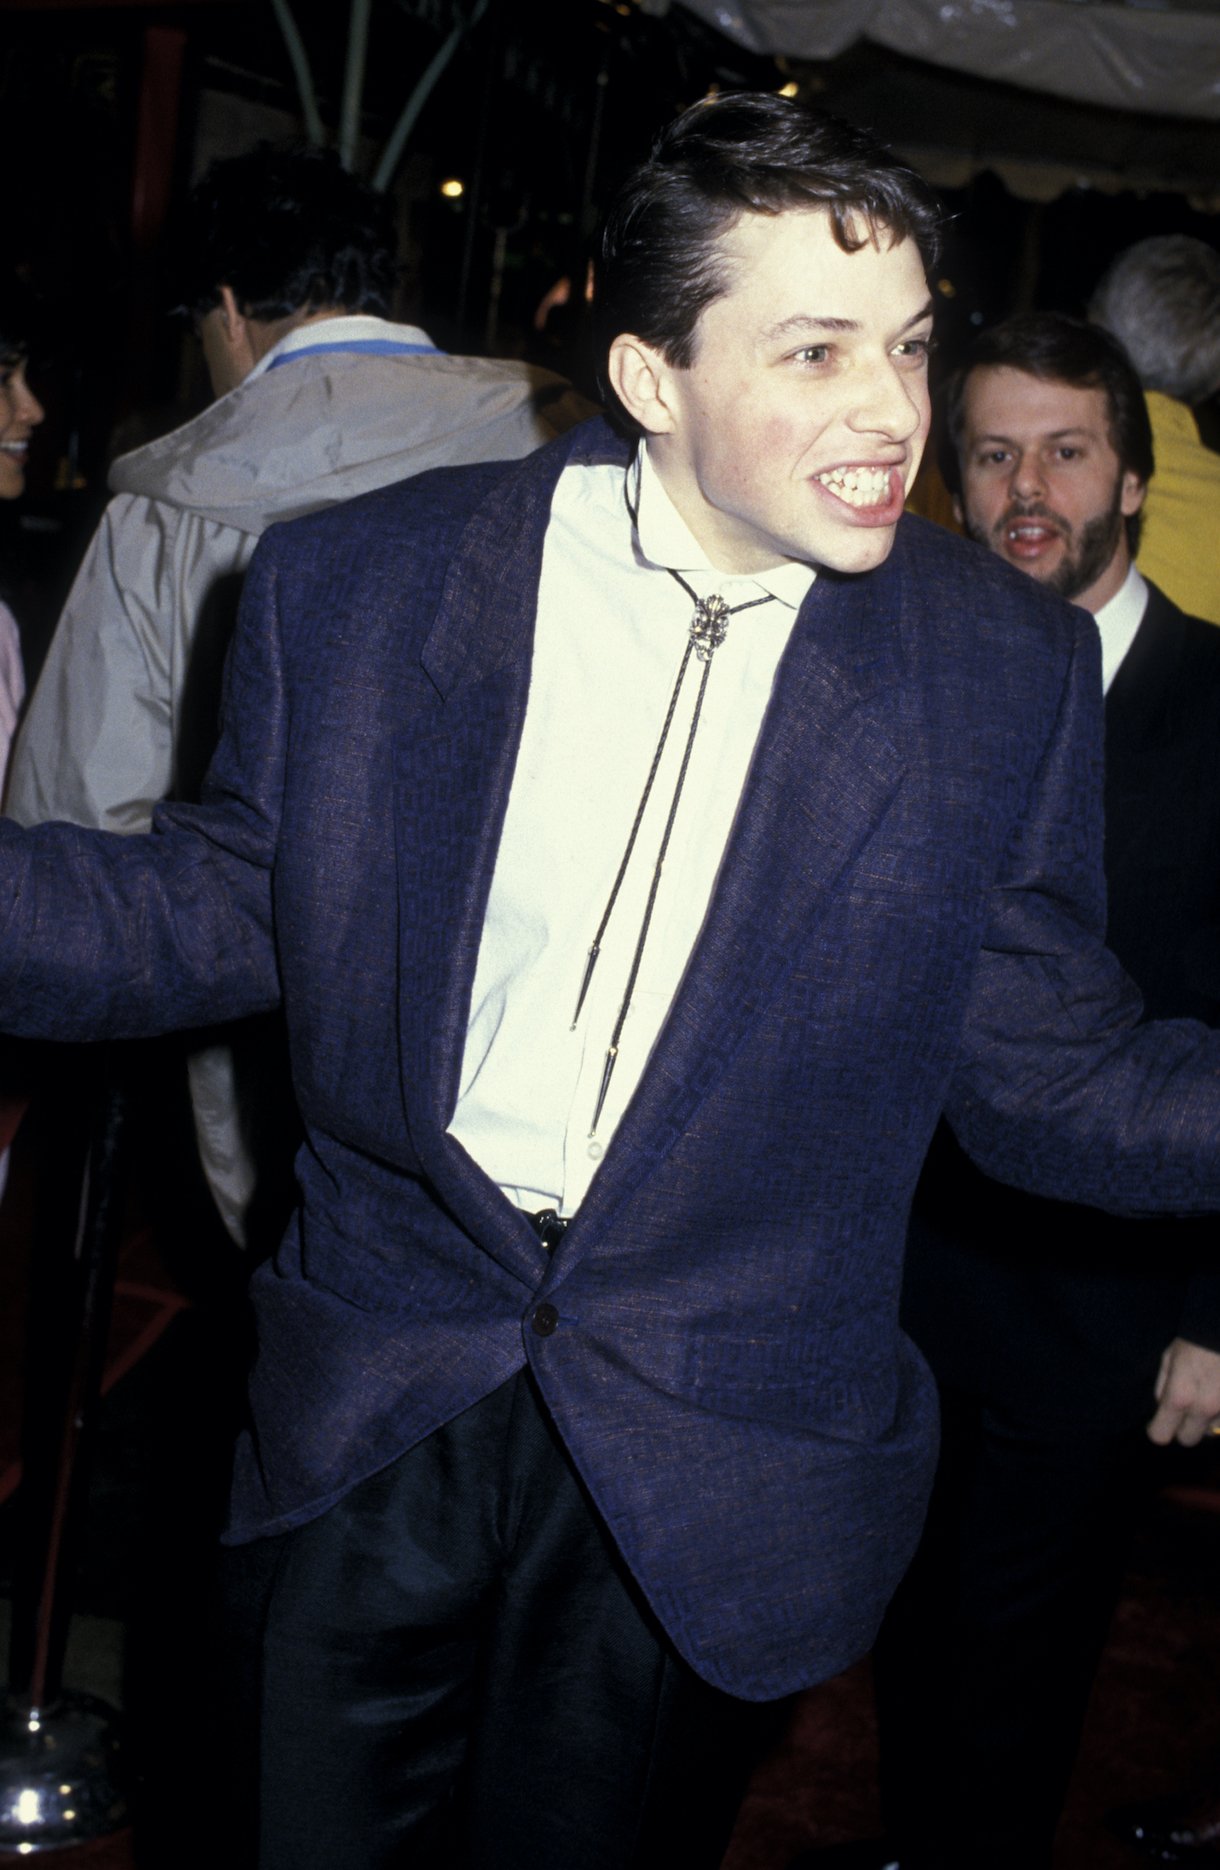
(20, 409)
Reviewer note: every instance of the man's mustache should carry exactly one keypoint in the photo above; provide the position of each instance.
(1034, 509)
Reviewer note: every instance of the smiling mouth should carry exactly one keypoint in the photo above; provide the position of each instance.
(1028, 535)
(15, 448)
(859, 486)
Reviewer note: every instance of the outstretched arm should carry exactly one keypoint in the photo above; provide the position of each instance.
(107, 936)
(1060, 1088)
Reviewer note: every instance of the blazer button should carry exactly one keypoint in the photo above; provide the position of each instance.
(545, 1320)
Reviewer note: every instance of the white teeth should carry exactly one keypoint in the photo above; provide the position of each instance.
(15, 448)
(859, 486)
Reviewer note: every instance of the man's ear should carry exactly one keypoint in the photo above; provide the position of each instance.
(244, 338)
(641, 379)
(959, 511)
(232, 319)
(1134, 491)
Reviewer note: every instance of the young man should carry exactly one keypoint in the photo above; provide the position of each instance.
(288, 272)
(1050, 1327)
(646, 845)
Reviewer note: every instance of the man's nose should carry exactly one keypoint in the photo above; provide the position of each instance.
(889, 402)
(1027, 480)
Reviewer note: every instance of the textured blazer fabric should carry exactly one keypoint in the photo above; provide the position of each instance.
(1063, 1311)
(908, 918)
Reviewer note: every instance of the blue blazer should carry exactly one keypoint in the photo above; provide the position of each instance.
(908, 919)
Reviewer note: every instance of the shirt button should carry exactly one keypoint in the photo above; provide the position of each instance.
(545, 1320)
(594, 1152)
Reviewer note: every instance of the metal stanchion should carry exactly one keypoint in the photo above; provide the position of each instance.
(62, 1776)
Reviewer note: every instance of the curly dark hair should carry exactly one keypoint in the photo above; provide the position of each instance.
(287, 230)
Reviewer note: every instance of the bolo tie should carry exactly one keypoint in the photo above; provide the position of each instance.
(709, 626)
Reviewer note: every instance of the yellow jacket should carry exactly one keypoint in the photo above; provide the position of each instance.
(1180, 545)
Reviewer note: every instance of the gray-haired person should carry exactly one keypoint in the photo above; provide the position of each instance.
(1161, 299)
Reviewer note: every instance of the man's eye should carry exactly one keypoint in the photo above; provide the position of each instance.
(812, 354)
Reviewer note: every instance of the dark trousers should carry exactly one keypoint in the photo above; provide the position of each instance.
(455, 1670)
(988, 1651)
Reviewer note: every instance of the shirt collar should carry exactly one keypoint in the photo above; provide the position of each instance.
(1117, 621)
(349, 328)
(666, 540)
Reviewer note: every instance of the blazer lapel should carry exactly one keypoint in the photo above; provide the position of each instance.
(455, 781)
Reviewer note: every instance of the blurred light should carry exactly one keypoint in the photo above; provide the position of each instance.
(28, 1810)
(452, 189)
(789, 90)
(946, 288)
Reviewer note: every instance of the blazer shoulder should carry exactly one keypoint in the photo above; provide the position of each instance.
(440, 499)
(427, 513)
(964, 596)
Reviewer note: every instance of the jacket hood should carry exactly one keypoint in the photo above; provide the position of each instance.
(329, 426)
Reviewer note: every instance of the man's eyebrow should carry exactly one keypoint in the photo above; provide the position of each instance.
(1051, 435)
(801, 324)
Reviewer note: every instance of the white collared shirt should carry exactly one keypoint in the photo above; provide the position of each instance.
(345, 331)
(1117, 622)
(611, 629)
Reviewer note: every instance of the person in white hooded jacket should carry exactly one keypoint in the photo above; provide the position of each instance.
(319, 397)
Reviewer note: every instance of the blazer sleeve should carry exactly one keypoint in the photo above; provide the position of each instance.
(107, 936)
(1059, 1088)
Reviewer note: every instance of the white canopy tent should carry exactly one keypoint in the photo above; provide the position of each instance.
(1048, 94)
(1156, 56)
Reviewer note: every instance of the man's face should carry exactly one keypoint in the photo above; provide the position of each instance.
(1042, 484)
(797, 430)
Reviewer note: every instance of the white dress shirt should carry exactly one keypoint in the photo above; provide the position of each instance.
(611, 628)
(1118, 622)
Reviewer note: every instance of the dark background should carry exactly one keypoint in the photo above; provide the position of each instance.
(108, 112)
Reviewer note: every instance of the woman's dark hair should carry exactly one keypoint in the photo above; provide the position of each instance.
(18, 319)
(286, 230)
(1057, 349)
(751, 152)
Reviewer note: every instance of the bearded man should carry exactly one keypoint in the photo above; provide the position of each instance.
(1055, 1331)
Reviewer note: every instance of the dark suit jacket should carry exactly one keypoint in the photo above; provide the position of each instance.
(1057, 1310)
(908, 916)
